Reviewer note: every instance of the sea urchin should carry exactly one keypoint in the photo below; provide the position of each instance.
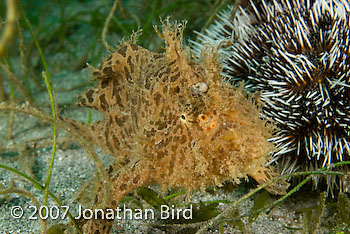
(296, 53)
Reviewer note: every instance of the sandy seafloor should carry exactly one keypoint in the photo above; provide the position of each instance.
(73, 168)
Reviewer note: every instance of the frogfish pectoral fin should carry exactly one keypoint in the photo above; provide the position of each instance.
(264, 175)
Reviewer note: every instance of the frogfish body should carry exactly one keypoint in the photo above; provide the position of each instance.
(172, 121)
